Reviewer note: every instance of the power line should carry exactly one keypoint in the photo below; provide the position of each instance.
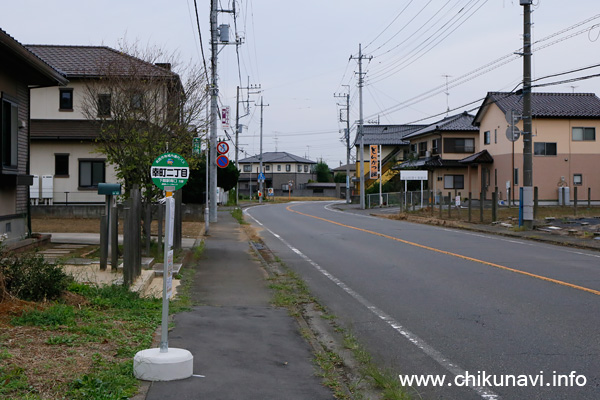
(508, 58)
(201, 45)
(390, 24)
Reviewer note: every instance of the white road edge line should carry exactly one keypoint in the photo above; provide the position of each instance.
(484, 392)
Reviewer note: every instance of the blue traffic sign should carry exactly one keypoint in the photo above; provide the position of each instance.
(261, 176)
(222, 161)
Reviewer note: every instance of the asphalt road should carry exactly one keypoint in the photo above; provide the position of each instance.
(427, 300)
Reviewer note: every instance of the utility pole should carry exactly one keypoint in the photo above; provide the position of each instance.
(360, 125)
(216, 37)
(238, 127)
(214, 107)
(260, 157)
(347, 137)
(527, 198)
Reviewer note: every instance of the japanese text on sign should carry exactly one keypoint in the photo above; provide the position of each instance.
(169, 172)
(374, 162)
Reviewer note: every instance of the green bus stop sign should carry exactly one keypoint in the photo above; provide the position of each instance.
(170, 172)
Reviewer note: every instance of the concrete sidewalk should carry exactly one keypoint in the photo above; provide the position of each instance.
(243, 347)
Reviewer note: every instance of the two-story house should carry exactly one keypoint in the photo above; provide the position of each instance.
(20, 70)
(566, 151)
(283, 171)
(394, 150)
(450, 151)
(63, 133)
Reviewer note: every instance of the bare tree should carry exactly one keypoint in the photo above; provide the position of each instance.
(145, 108)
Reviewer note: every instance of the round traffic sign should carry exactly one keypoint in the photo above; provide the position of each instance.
(170, 171)
(222, 161)
(222, 147)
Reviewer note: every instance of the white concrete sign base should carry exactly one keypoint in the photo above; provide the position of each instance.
(152, 365)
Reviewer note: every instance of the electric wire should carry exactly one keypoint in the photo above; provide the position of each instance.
(489, 66)
(390, 24)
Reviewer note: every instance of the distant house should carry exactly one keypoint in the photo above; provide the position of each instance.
(448, 149)
(394, 150)
(566, 150)
(20, 70)
(63, 148)
(284, 172)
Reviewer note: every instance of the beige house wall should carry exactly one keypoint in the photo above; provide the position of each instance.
(45, 102)
(573, 157)
(42, 163)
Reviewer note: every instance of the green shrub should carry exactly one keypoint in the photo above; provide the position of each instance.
(28, 276)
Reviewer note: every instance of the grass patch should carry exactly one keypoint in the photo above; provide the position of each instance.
(384, 380)
(79, 351)
(238, 214)
(290, 292)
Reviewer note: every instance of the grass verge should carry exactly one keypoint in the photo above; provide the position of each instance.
(292, 293)
(81, 346)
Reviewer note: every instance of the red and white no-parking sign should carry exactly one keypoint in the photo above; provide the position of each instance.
(222, 147)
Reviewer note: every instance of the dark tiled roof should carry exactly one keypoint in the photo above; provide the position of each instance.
(455, 123)
(277, 157)
(483, 157)
(63, 129)
(20, 61)
(545, 105)
(96, 61)
(430, 163)
(342, 168)
(387, 135)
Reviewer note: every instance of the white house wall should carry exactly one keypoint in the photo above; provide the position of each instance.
(42, 163)
(45, 102)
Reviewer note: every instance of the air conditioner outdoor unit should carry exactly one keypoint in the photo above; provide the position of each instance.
(428, 154)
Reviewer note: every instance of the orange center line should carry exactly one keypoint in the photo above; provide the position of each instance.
(544, 278)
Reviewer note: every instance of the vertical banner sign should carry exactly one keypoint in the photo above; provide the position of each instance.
(374, 162)
(170, 223)
(225, 117)
(169, 276)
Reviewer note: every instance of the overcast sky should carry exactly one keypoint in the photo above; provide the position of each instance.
(299, 52)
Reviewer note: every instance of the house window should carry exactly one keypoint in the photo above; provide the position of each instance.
(136, 101)
(544, 149)
(279, 168)
(516, 177)
(299, 168)
(459, 145)
(306, 168)
(495, 135)
(435, 146)
(580, 134)
(413, 149)
(91, 173)
(487, 137)
(577, 179)
(9, 114)
(454, 181)
(422, 149)
(61, 165)
(66, 99)
(267, 167)
(247, 168)
(288, 168)
(104, 105)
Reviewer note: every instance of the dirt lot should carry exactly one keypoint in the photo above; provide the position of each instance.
(90, 225)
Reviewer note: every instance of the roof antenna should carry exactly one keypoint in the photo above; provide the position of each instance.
(447, 95)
